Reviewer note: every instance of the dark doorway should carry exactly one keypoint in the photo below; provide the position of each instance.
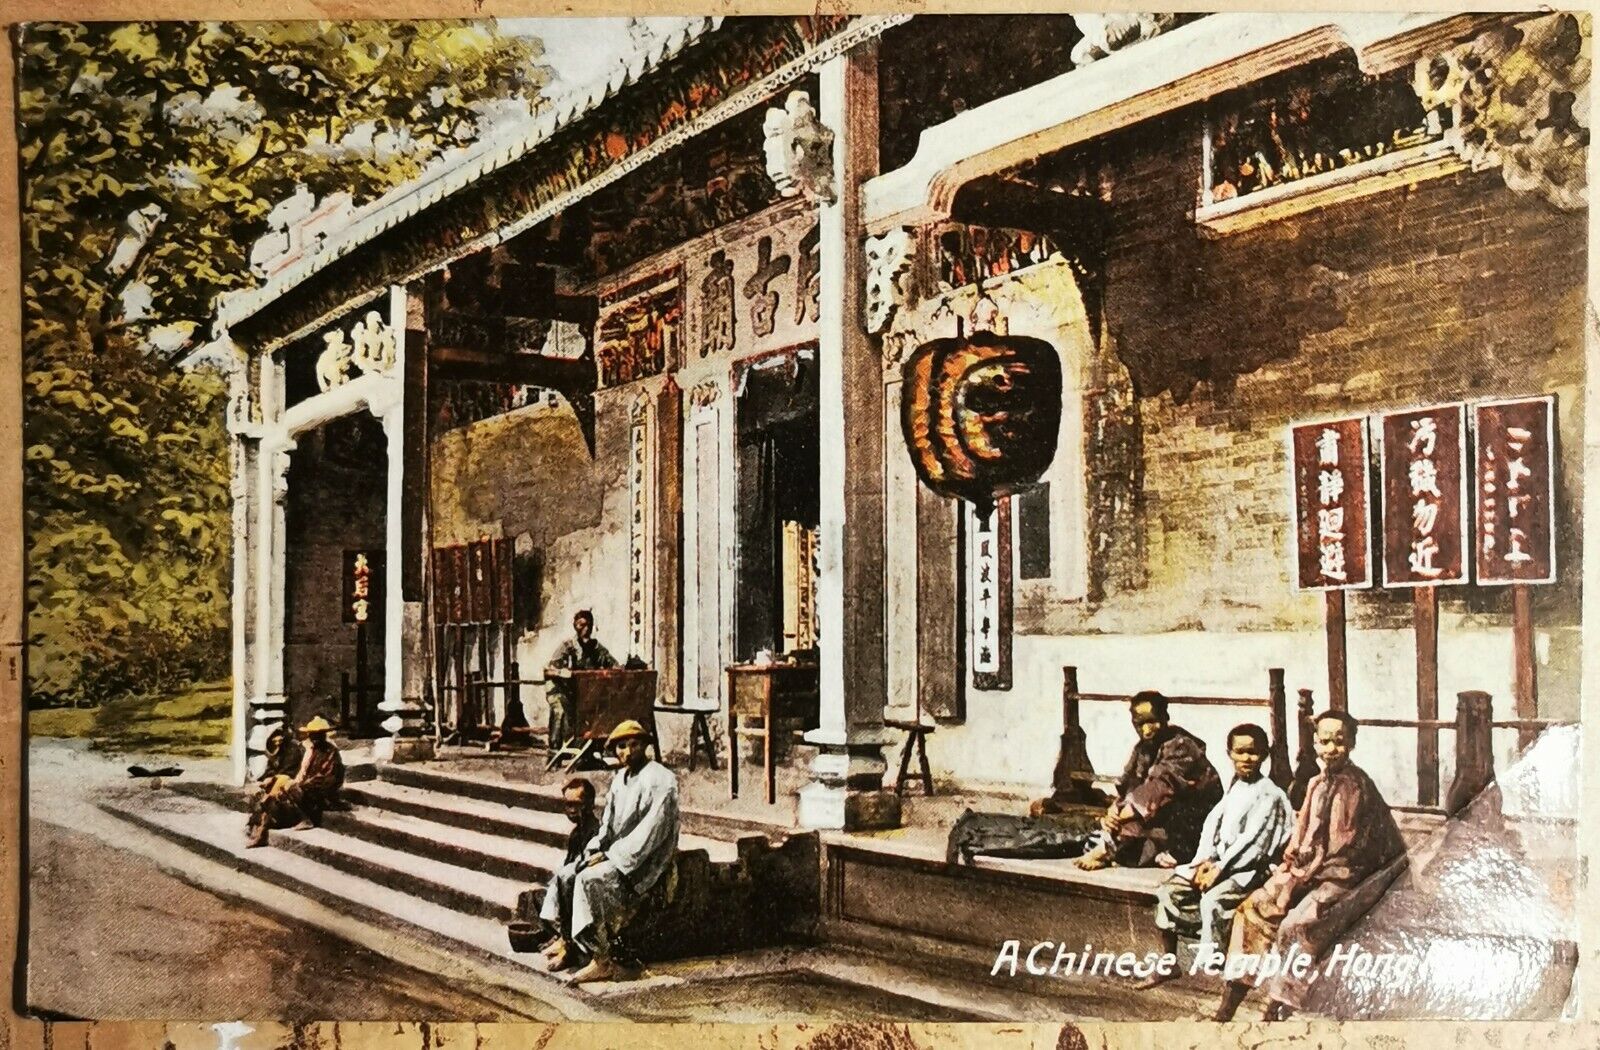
(777, 482)
(333, 514)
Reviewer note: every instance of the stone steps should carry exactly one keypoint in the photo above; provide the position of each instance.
(506, 807)
(350, 876)
(478, 851)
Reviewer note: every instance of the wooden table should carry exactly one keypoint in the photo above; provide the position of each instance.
(767, 692)
(602, 700)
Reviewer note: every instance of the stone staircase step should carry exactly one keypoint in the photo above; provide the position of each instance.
(521, 796)
(495, 818)
(518, 860)
(216, 833)
(467, 890)
(516, 811)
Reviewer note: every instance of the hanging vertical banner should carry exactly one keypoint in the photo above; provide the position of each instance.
(504, 587)
(989, 595)
(1332, 523)
(1424, 453)
(641, 484)
(1515, 472)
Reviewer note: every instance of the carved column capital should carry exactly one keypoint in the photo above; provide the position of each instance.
(888, 264)
(704, 395)
(385, 401)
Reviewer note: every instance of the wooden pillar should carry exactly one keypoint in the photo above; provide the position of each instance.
(1425, 616)
(1282, 774)
(1305, 766)
(1474, 753)
(1526, 680)
(1074, 774)
(1338, 675)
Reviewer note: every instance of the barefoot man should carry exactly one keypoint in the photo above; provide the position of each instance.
(592, 900)
(1166, 790)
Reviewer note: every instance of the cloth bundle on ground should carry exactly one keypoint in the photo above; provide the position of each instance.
(1005, 835)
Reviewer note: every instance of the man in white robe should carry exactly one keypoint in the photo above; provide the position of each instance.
(1242, 839)
(592, 899)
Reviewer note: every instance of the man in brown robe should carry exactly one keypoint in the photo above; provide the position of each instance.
(1345, 851)
(1165, 792)
(301, 802)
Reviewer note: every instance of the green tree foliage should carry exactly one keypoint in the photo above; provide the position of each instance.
(152, 154)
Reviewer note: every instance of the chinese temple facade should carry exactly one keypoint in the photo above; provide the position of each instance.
(654, 360)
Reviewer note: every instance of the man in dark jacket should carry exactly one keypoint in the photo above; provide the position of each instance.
(577, 799)
(1166, 790)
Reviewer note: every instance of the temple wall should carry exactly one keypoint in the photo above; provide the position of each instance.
(527, 476)
(1455, 288)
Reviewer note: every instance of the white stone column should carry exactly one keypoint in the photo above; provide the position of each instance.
(268, 705)
(245, 439)
(403, 663)
(847, 774)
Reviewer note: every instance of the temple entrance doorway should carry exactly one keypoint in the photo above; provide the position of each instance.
(334, 538)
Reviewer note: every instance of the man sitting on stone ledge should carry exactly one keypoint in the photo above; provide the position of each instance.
(592, 899)
(1345, 851)
(1165, 792)
(1243, 838)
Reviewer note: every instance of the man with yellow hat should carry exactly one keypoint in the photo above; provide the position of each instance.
(301, 802)
(590, 900)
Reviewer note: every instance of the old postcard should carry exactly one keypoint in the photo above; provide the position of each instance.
(846, 523)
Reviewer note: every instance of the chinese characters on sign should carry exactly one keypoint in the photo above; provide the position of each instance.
(989, 596)
(1424, 496)
(363, 575)
(1515, 465)
(1330, 504)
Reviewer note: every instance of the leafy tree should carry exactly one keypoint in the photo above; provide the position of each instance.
(152, 154)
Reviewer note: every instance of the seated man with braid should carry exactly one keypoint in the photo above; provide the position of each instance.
(1166, 790)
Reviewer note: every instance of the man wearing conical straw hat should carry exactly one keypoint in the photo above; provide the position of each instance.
(591, 900)
(300, 802)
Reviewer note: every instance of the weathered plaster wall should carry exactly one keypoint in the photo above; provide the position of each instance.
(527, 475)
(1452, 289)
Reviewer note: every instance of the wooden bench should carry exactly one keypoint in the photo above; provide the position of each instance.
(1074, 775)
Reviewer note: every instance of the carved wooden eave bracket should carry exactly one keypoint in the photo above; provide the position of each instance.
(1519, 98)
(468, 349)
(1104, 33)
(1141, 79)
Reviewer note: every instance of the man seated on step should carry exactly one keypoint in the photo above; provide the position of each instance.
(1166, 790)
(592, 900)
(577, 801)
(1243, 838)
(315, 787)
(1345, 851)
(582, 652)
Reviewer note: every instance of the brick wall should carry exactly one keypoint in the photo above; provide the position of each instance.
(1454, 288)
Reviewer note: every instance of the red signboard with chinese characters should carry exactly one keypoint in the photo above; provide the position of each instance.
(1515, 466)
(1331, 519)
(363, 586)
(1424, 473)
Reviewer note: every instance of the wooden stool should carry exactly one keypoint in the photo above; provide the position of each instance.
(916, 739)
(699, 731)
